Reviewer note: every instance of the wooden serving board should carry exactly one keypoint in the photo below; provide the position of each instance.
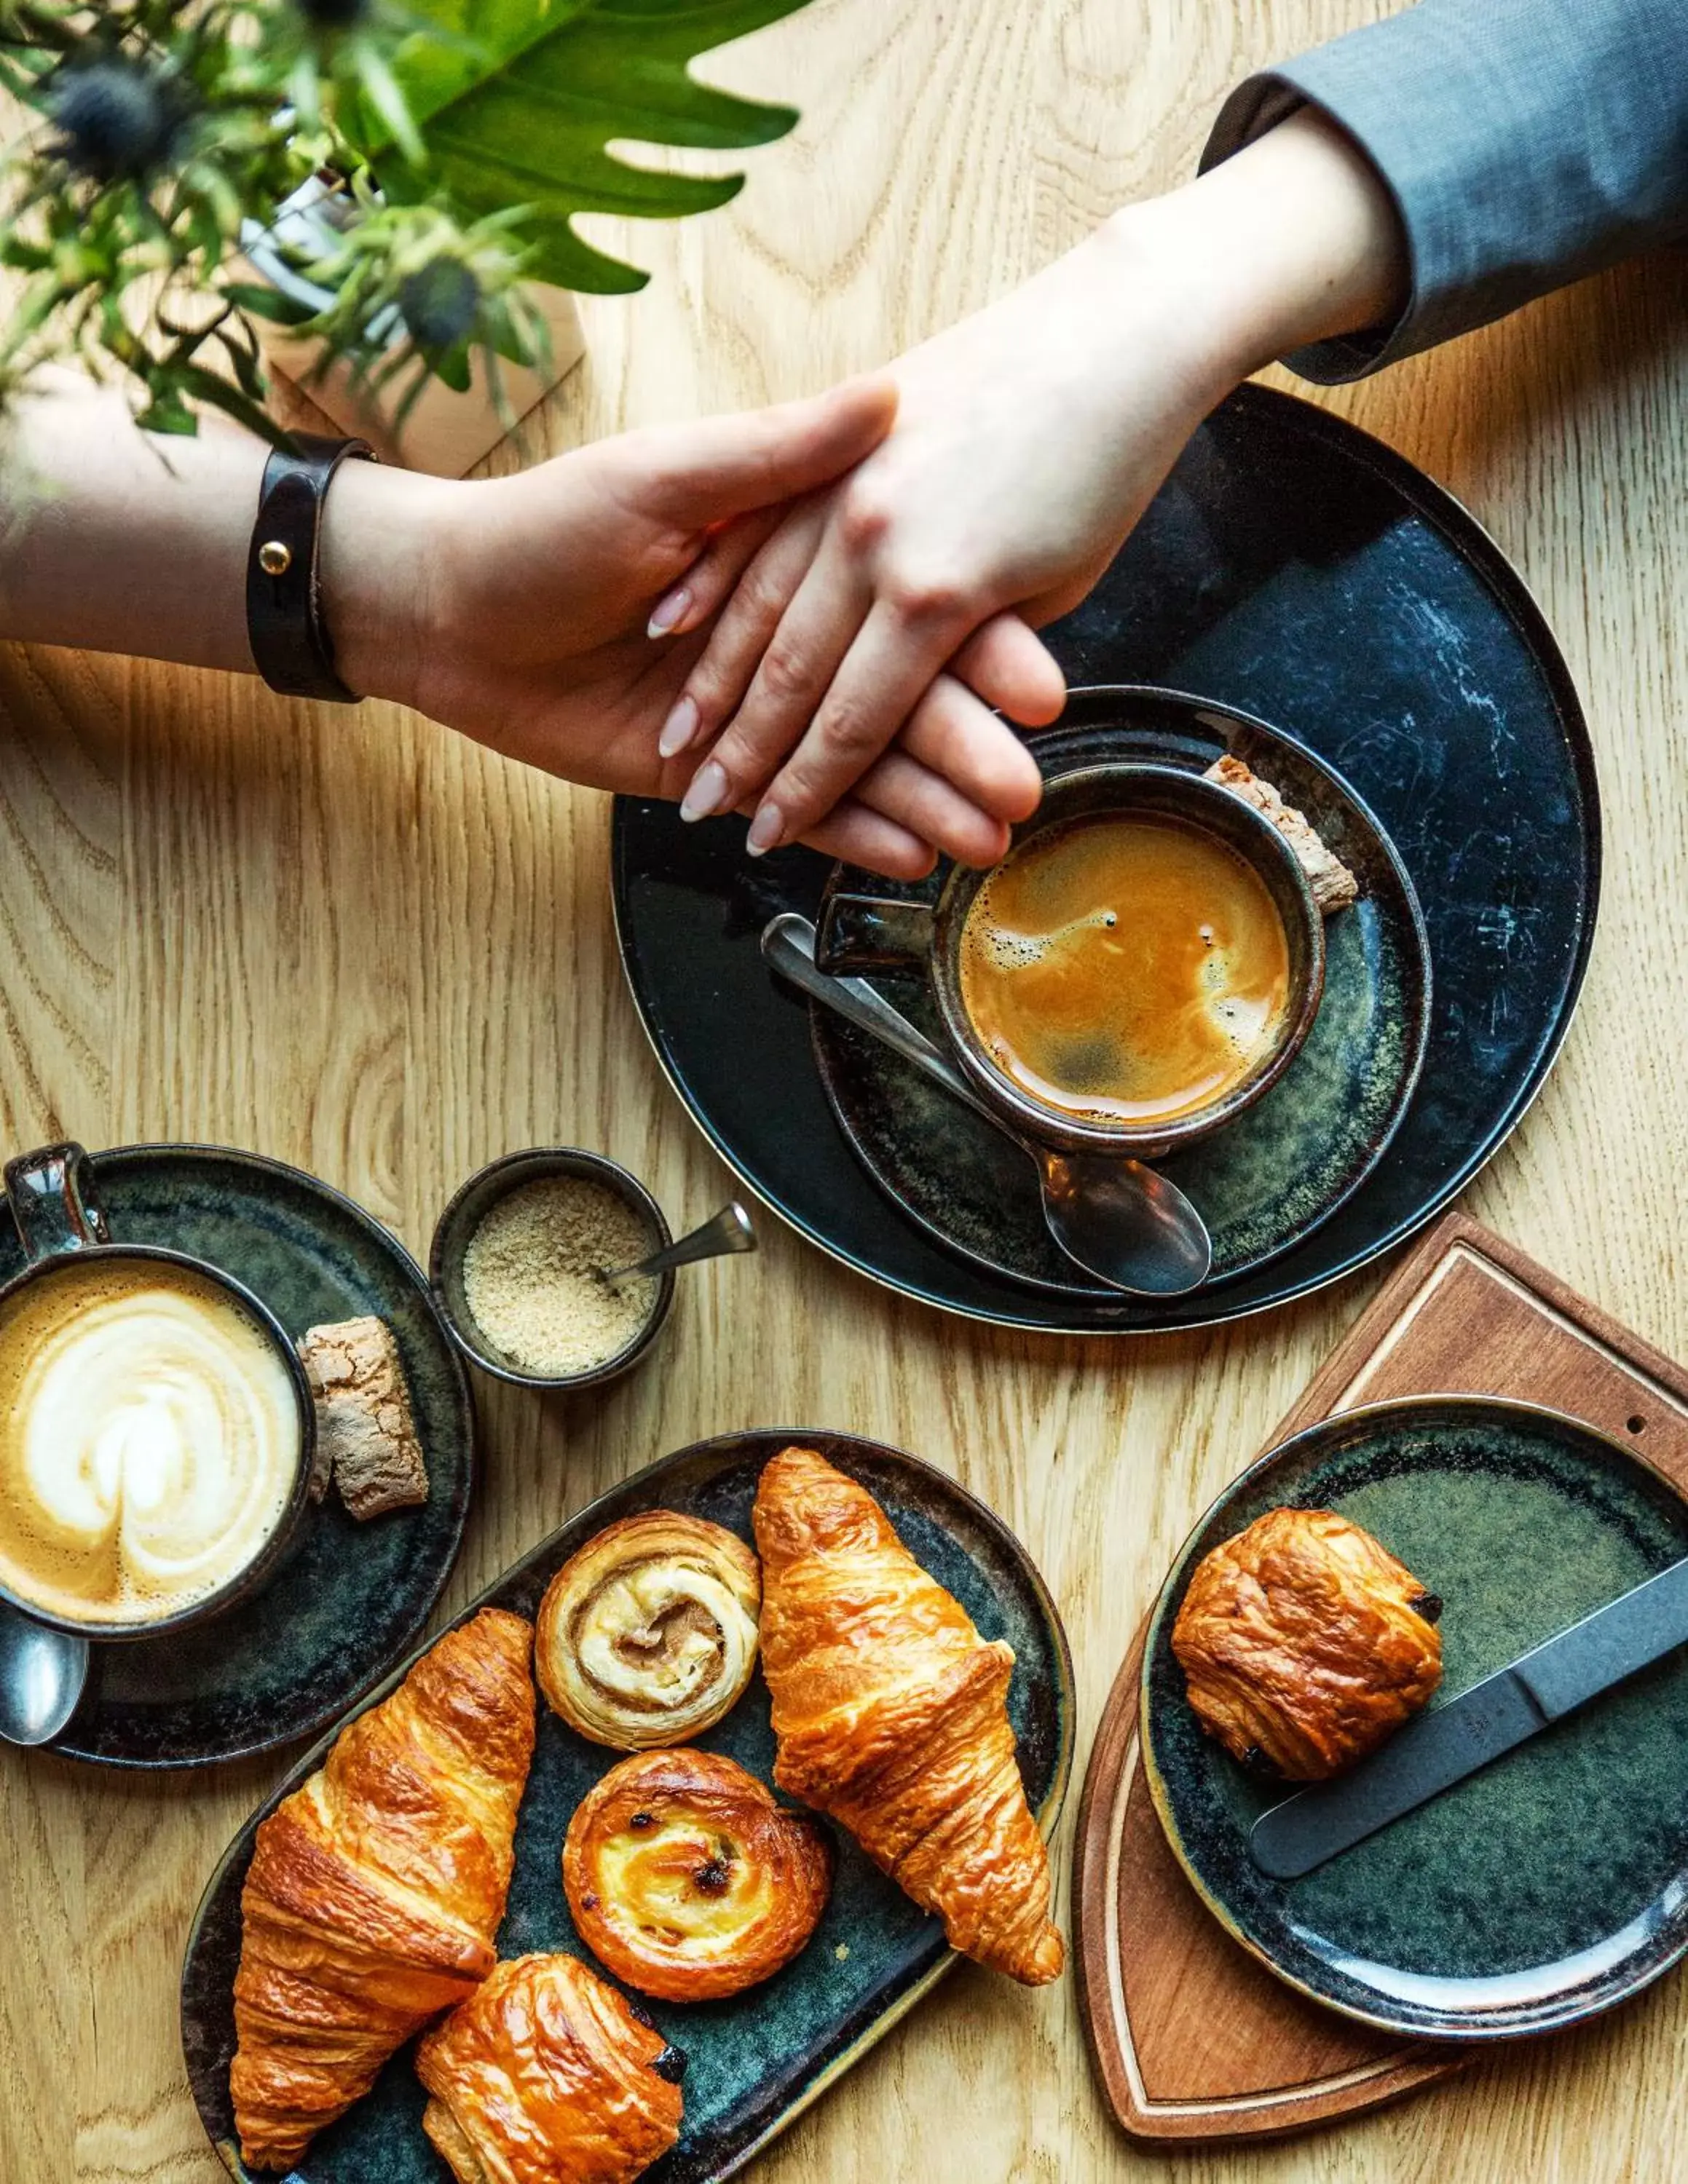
(1189, 2037)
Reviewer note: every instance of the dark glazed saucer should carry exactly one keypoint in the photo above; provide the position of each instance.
(347, 1598)
(756, 2061)
(1296, 570)
(1276, 1171)
(1551, 1884)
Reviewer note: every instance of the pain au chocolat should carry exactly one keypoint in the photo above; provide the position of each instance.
(1304, 1643)
(545, 2072)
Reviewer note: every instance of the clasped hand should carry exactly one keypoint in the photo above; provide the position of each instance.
(807, 614)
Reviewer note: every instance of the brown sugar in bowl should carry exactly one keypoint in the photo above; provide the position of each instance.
(503, 1217)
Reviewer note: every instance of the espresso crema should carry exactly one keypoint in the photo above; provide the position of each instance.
(1123, 969)
(150, 1442)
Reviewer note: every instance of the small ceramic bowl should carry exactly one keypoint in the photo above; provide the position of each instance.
(470, 1207)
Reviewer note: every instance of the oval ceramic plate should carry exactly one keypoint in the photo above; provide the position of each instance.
(755, 2062)
(1553, 1883)
(350, 1598)
(1298, 571)
(1267, 1180)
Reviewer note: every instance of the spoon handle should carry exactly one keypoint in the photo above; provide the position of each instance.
(788, 947)
(729, 1230)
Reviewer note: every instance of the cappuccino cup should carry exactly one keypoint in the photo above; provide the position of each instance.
(156, 1425)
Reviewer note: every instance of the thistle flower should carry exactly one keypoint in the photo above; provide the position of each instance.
(332, 14)
(118, 118)
(440, 302)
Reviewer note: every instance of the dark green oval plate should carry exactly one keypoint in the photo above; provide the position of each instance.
(1268, 1180)
(755, 2062)
(349, 1598)
(1552, 1884)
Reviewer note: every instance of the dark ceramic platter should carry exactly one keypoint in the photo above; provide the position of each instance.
(349, 1598)
(1295, 570)
(1553, 1883)
(754, 2063)
(1272, 1176)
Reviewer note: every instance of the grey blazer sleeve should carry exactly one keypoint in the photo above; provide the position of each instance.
(1526, 142)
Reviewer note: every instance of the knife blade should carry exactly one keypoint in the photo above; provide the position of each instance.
(1506, 1709)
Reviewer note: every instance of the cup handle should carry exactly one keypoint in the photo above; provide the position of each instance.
(873, 933)
(51, 1193)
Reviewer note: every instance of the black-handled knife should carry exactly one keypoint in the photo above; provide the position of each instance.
(1441, 1748)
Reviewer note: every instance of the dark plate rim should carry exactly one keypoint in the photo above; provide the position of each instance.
(579, 1527)
(1099, 697)
(1463, 2032)
(158, 1149)
(1474, 544)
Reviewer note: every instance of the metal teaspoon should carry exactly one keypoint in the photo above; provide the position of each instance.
(729, 1230)
(41, 1675)
(1121, 1221)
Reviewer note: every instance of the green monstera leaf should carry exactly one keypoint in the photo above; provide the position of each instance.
(517, 103)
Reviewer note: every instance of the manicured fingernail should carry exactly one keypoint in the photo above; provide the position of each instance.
(766, 831)
(679, 729)
(709, 791)
(669, 611)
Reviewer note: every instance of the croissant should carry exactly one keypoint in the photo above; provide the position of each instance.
(647, 1636)
(546, 2073)
(376, 1889)
(891, 1713)
(1304, 1643)
(687, 1880)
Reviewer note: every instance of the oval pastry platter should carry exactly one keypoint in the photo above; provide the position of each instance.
(1553, 1883)
(756, 2061)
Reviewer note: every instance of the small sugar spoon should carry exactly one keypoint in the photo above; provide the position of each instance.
(729, 1230)
(41, 1675)
(1121, 1222)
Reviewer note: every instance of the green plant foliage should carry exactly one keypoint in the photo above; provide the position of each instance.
(464, 134)
(518, 104)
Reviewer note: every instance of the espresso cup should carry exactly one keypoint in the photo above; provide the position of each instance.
(863, 932)
(156, 1431)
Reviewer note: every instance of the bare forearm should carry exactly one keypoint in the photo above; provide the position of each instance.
(1293, 241)
(116, 540)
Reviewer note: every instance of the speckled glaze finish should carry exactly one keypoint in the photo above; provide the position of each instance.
(1553, 1883)
(1298, 571)
(347, 1598)
(755, 2062)
(1274, 1173)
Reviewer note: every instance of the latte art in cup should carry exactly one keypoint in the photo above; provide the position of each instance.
(150, 1442)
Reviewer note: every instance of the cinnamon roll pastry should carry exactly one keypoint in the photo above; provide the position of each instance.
(545, 2072)
(1304, 1643)
(687, 1880)
(648, 1635)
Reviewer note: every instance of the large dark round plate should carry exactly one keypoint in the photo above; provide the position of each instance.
(350, 1598)
(1266, 1180)
(1551, 1884)
(1295, 568)
(755, 2062)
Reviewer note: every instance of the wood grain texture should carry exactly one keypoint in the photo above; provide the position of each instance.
(353, 941)
(1193, 2040)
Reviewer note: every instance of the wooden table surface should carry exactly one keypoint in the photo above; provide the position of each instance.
(356, 942)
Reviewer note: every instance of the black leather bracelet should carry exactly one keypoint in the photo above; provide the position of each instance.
(284, 626)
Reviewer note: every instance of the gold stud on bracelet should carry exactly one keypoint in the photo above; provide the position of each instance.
(275, 559)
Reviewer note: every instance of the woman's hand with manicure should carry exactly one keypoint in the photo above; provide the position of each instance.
(555, 616)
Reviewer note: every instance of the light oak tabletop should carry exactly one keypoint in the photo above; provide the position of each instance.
(358, 943)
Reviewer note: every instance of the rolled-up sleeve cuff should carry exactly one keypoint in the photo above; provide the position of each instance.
(1525, 143)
